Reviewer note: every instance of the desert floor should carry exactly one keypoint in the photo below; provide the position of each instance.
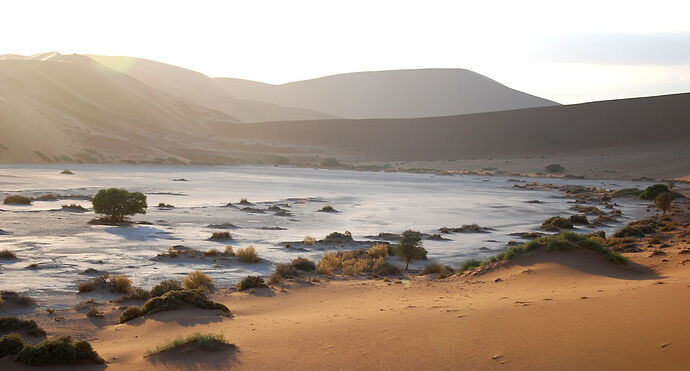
(549, 310)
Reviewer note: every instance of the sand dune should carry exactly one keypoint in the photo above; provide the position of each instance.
(391, 94)
(204, 91)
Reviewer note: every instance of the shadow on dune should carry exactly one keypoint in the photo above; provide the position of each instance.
(186, 316)
(587, 262)
(197, 359)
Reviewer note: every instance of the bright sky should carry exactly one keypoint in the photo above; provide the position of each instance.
(570, 52)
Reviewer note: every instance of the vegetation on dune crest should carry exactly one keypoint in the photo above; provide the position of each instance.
(208, 342)
(562, 241)
(556, 223)
(11, 344)
(17, 200)
(172, 300)
(650, 193)
(118, 203)
(296, 267)
(251, 282)
(197, 280)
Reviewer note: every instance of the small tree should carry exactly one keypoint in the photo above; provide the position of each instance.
(410, 247)
(663, 201)
(118, 203)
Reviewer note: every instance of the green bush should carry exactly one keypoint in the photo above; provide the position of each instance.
(11, 344)
(650, 193)
(60, 351)
(208, 342)
(17, 200)
(172, 300)
(165, 286)
(8, 324)
(250, 282)
(117, 203)
(563, 241)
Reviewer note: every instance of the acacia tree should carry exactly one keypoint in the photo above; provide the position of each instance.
(118, 203)
(410, 247)
(664, 201)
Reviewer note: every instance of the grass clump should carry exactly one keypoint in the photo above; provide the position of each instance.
(563, 241)
(197, 280)
(578, 219)
(328, 209)
(379, 251)
(8, 324)
(469, 265)
(172, 300)
(626, 192)
(251, 282)
(11, 344)
(121, 284)
(248, 255)
(303, 264)
(11, 296)
(337, 237)
(556, 223)
(309, 240)
(165, 286)
(73, 207)
(639, 228)
(220, 236)
(384, 268)
(229, 251)
(7, 254)
(208, 342)
(434, 267)
(17, 200)
(93, 313)
(60, 351)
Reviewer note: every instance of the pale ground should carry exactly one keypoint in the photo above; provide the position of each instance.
(550, 310)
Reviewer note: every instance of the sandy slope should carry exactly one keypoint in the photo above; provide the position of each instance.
(549, 310)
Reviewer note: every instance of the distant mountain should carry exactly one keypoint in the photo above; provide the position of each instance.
(567, 128)
(391, 94)
(204, 91)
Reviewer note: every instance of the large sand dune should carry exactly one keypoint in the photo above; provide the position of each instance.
(391, 94)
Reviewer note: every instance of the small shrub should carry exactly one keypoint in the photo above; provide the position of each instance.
(220, 236)
(197, 280)
(578, 219)
(384, 268)
(60, 351)
(282, 271)
(228, 251)
(556, 223)
(7, 254)
(355, 266)
(554, 168)
(136, 293)
(309, 240)
(163, 205)
(8, 324)
(328, 209)
(206, 341)
(329, 262)
(131, 313)
(469, 265)
(93, 313)
(11, 344)
(303, 264)
(165, 286)
(650, 193)
(248, 255)
(378, 251)
(74, 207)
(98, 282)
(251, 282)
(337, 237)
(434, 267)
(17, 200)
(11, 296)
(212, 252)
(245, 202)
(121, 283)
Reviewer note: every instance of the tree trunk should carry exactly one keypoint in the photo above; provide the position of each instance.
(407, 263)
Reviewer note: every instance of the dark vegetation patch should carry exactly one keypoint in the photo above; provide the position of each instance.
(466, 228)
(650, 193)
(220, 236)
(163, 205)
(11, 344)
(295, 269)
(626, 192)
(251, 282)
(337, 237)
(66, 172)
(119, 283)
(73, 207)
(639, 228)
(7, 254)
(11, 297)
(14, 324)
(328, 209)
(17, 200)
(556, 223)
(578, 219)
(60, 351)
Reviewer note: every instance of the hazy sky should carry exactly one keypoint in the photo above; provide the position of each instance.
(570, 52)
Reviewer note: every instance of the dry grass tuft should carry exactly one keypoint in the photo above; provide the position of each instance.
(197, 280)
(248, 255)
(378, 251)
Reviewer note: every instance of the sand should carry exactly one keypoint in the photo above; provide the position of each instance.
(549, 310)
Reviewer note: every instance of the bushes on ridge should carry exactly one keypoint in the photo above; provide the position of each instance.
(250, 282)
(556, 223)
(60, 351)
(17, 200)
(172, 300)
(8, 324)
